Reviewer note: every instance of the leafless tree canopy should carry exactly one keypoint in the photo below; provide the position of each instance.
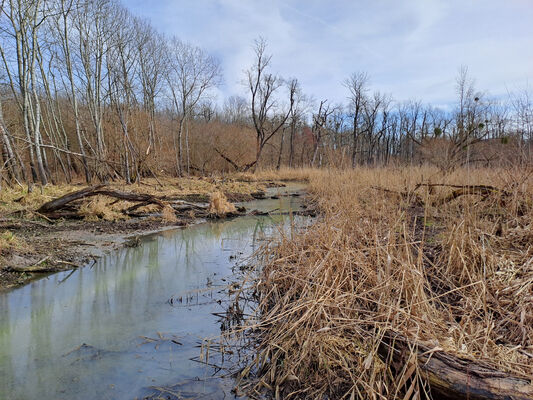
(89, 91)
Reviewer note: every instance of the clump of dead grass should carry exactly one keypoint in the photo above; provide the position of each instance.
(454, 276)
(101, 207)
(219, 205)
(168, 214)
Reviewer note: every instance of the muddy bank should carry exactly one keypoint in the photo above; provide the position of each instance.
(130, 325)
(68, 244)
(32, 245)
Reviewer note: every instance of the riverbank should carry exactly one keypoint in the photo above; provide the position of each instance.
(410, 282)
(31, 241)
(130, 325)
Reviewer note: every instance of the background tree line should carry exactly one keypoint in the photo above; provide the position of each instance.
(89, 91)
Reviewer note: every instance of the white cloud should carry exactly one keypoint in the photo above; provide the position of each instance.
(410, 48)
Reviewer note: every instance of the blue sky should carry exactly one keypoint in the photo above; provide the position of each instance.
(412, 49)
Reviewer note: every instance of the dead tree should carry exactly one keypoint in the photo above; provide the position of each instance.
(264, 87)
(320, 120)
(357, 87)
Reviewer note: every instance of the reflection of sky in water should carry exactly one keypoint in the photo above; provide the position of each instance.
(110, 306)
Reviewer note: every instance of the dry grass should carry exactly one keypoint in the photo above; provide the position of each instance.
(17, 199)
(219, 205)
(454, 276)
(9, 241)
(168, 214)
(102, 207)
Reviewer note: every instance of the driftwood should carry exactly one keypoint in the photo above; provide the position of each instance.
(459, 190)
(64, 206)
(43, 266)
(56, 208)
(451, 377)
(60, 202)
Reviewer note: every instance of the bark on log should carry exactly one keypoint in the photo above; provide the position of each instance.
(60, 202)
(62, 207)
(451, 377)
(479, 190)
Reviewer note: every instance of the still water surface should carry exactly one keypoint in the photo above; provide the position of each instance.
(110, 332)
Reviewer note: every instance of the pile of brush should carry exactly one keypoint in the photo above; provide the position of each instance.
(401, 291)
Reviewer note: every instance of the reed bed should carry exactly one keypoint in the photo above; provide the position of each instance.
(396, 254)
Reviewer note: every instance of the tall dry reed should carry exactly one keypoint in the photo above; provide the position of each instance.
(389, 256)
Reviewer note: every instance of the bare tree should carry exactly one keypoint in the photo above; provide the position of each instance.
(151, 71)
(235, 110)
(522, 104)
(92, 27)
(8, 153)
(264, 87)
(357, 86)
(23, 20)
(121, 63)
(297, 119)
(471, 117)
(320, 121)
(191, 74)
(61, 27)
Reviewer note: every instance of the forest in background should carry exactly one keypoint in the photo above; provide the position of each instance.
(91, 92)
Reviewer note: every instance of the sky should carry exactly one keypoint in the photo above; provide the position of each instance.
(412, 49)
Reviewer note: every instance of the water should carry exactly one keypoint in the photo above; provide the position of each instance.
(110, 332)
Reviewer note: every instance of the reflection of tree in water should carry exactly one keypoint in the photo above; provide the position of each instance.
(6, 366)
(41, 338)
(119, 298)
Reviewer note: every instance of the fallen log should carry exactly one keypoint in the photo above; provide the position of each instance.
(128, 196)
(64, 206)
(461, 190)
(472, 187)
(409, 196)
(53, 207)
(60, 202)
(451, 377)
(42, 266)
(480, 190)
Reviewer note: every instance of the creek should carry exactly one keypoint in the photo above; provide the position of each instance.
(134, 320)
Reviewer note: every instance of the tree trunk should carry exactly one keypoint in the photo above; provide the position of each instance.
(278, 166)
(451, 377)
(291, 144)
(7, 150)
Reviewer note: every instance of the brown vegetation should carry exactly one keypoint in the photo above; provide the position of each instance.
(398, 296)
(91, 92)
(219, 205)
(62, 226)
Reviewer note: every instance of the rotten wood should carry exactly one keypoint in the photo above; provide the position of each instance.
(451, 377)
